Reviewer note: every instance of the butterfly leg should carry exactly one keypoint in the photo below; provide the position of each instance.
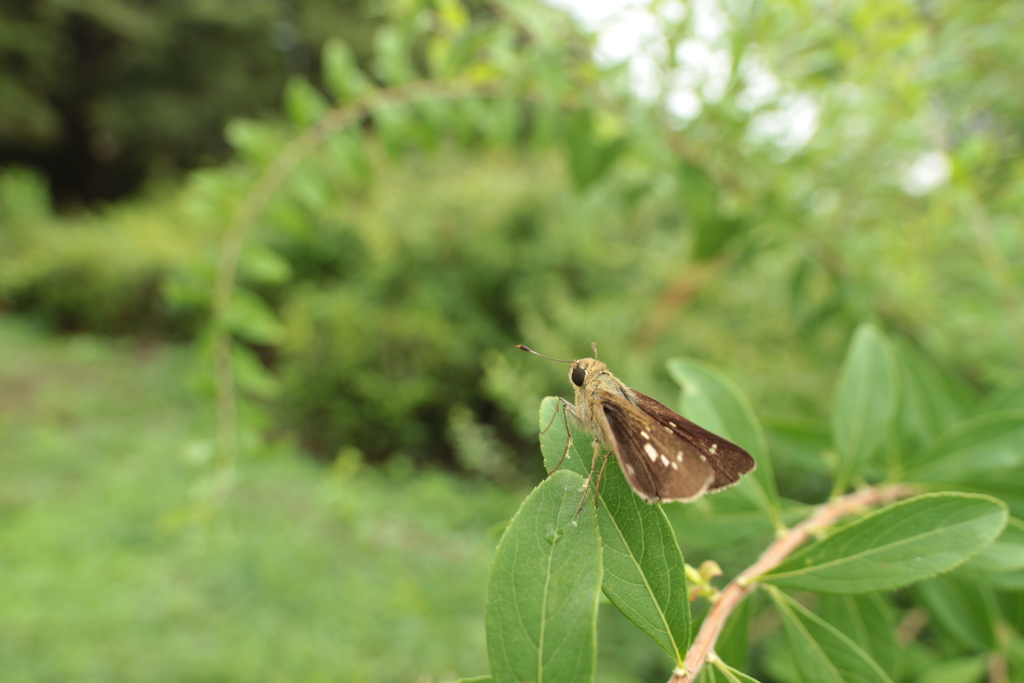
(600, 477)
(568, 433)
(586, 486)
(552, 420)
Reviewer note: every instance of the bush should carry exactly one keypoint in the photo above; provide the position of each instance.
(76, 78)
(104, 273)
(380, 355)
(830, 590)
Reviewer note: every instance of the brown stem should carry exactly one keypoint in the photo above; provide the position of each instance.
(252, 206)
(998, 668)
(911, 625)
(733, 595)
(676, 296)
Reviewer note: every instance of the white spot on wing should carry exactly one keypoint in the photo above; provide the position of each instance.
(673, 424)
(675, 466)
(629, 468)
(714, 448)
(651, 452)
(679, 456)
(645, 435)
(668, 430)
(664, 461)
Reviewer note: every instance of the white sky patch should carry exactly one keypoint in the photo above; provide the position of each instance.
(703, 67)
(789, 125)
(762, 87)
(926, 174)
(709, 21)
(626, 32)
(629, 31)
(684, 104)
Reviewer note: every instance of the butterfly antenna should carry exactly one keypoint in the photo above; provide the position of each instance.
(529, 350)
(593, 345)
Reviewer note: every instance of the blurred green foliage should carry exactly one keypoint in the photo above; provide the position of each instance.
(107, 573)
(498, 186)
(105, 273)
(310, 573)
(433, 279)
(442, 180)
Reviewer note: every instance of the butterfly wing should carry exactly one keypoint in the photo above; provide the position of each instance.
(728, 461)
(659, 465)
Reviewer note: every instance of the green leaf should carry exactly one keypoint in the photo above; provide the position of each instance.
(1007, 399)
(342, 76)
(258, 142)
(644, 573)
(1006, 581)
(966, 610)
(393, 56)
(865, 402)
(731, 675)
(260, 264)
(715, 235)
(869, 622)
(1007, 485)
(554, 439)
(395, 126)
(822, 653)
(589, 158)
(957, 670)
(453, 15)
(1011, 607)
(929, 403)
(251, 376)
(802, 446)
(347, 152)
(504, 121)
(733, 644)
(542, 597)
(312, 189)
(439, 57)
(250, 318)
(988, 442)
(708, 675)
(710, 524)
(711, 400)
(302, 102)
(895, 546)
(1005, 554)
(698, 193)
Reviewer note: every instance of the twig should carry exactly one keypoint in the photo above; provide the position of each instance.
(733, 594)
(252, 206)
(911, 625)
(675, 297)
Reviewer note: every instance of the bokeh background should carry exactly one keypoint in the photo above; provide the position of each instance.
(262, 268)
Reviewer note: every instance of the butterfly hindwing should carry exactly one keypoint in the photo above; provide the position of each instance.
(728, 461)
(659, 465)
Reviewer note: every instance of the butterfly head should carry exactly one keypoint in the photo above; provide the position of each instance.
(585, 369)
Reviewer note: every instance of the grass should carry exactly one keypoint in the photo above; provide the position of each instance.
(308, 574)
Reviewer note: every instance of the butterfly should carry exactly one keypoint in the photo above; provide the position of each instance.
(665, 457)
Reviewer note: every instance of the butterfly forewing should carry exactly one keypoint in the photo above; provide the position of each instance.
(659, 465)
(727, 460)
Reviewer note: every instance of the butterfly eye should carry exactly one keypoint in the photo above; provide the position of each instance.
(578, 375)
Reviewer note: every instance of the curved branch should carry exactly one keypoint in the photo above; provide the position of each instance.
(738, 588)
(269, 181)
